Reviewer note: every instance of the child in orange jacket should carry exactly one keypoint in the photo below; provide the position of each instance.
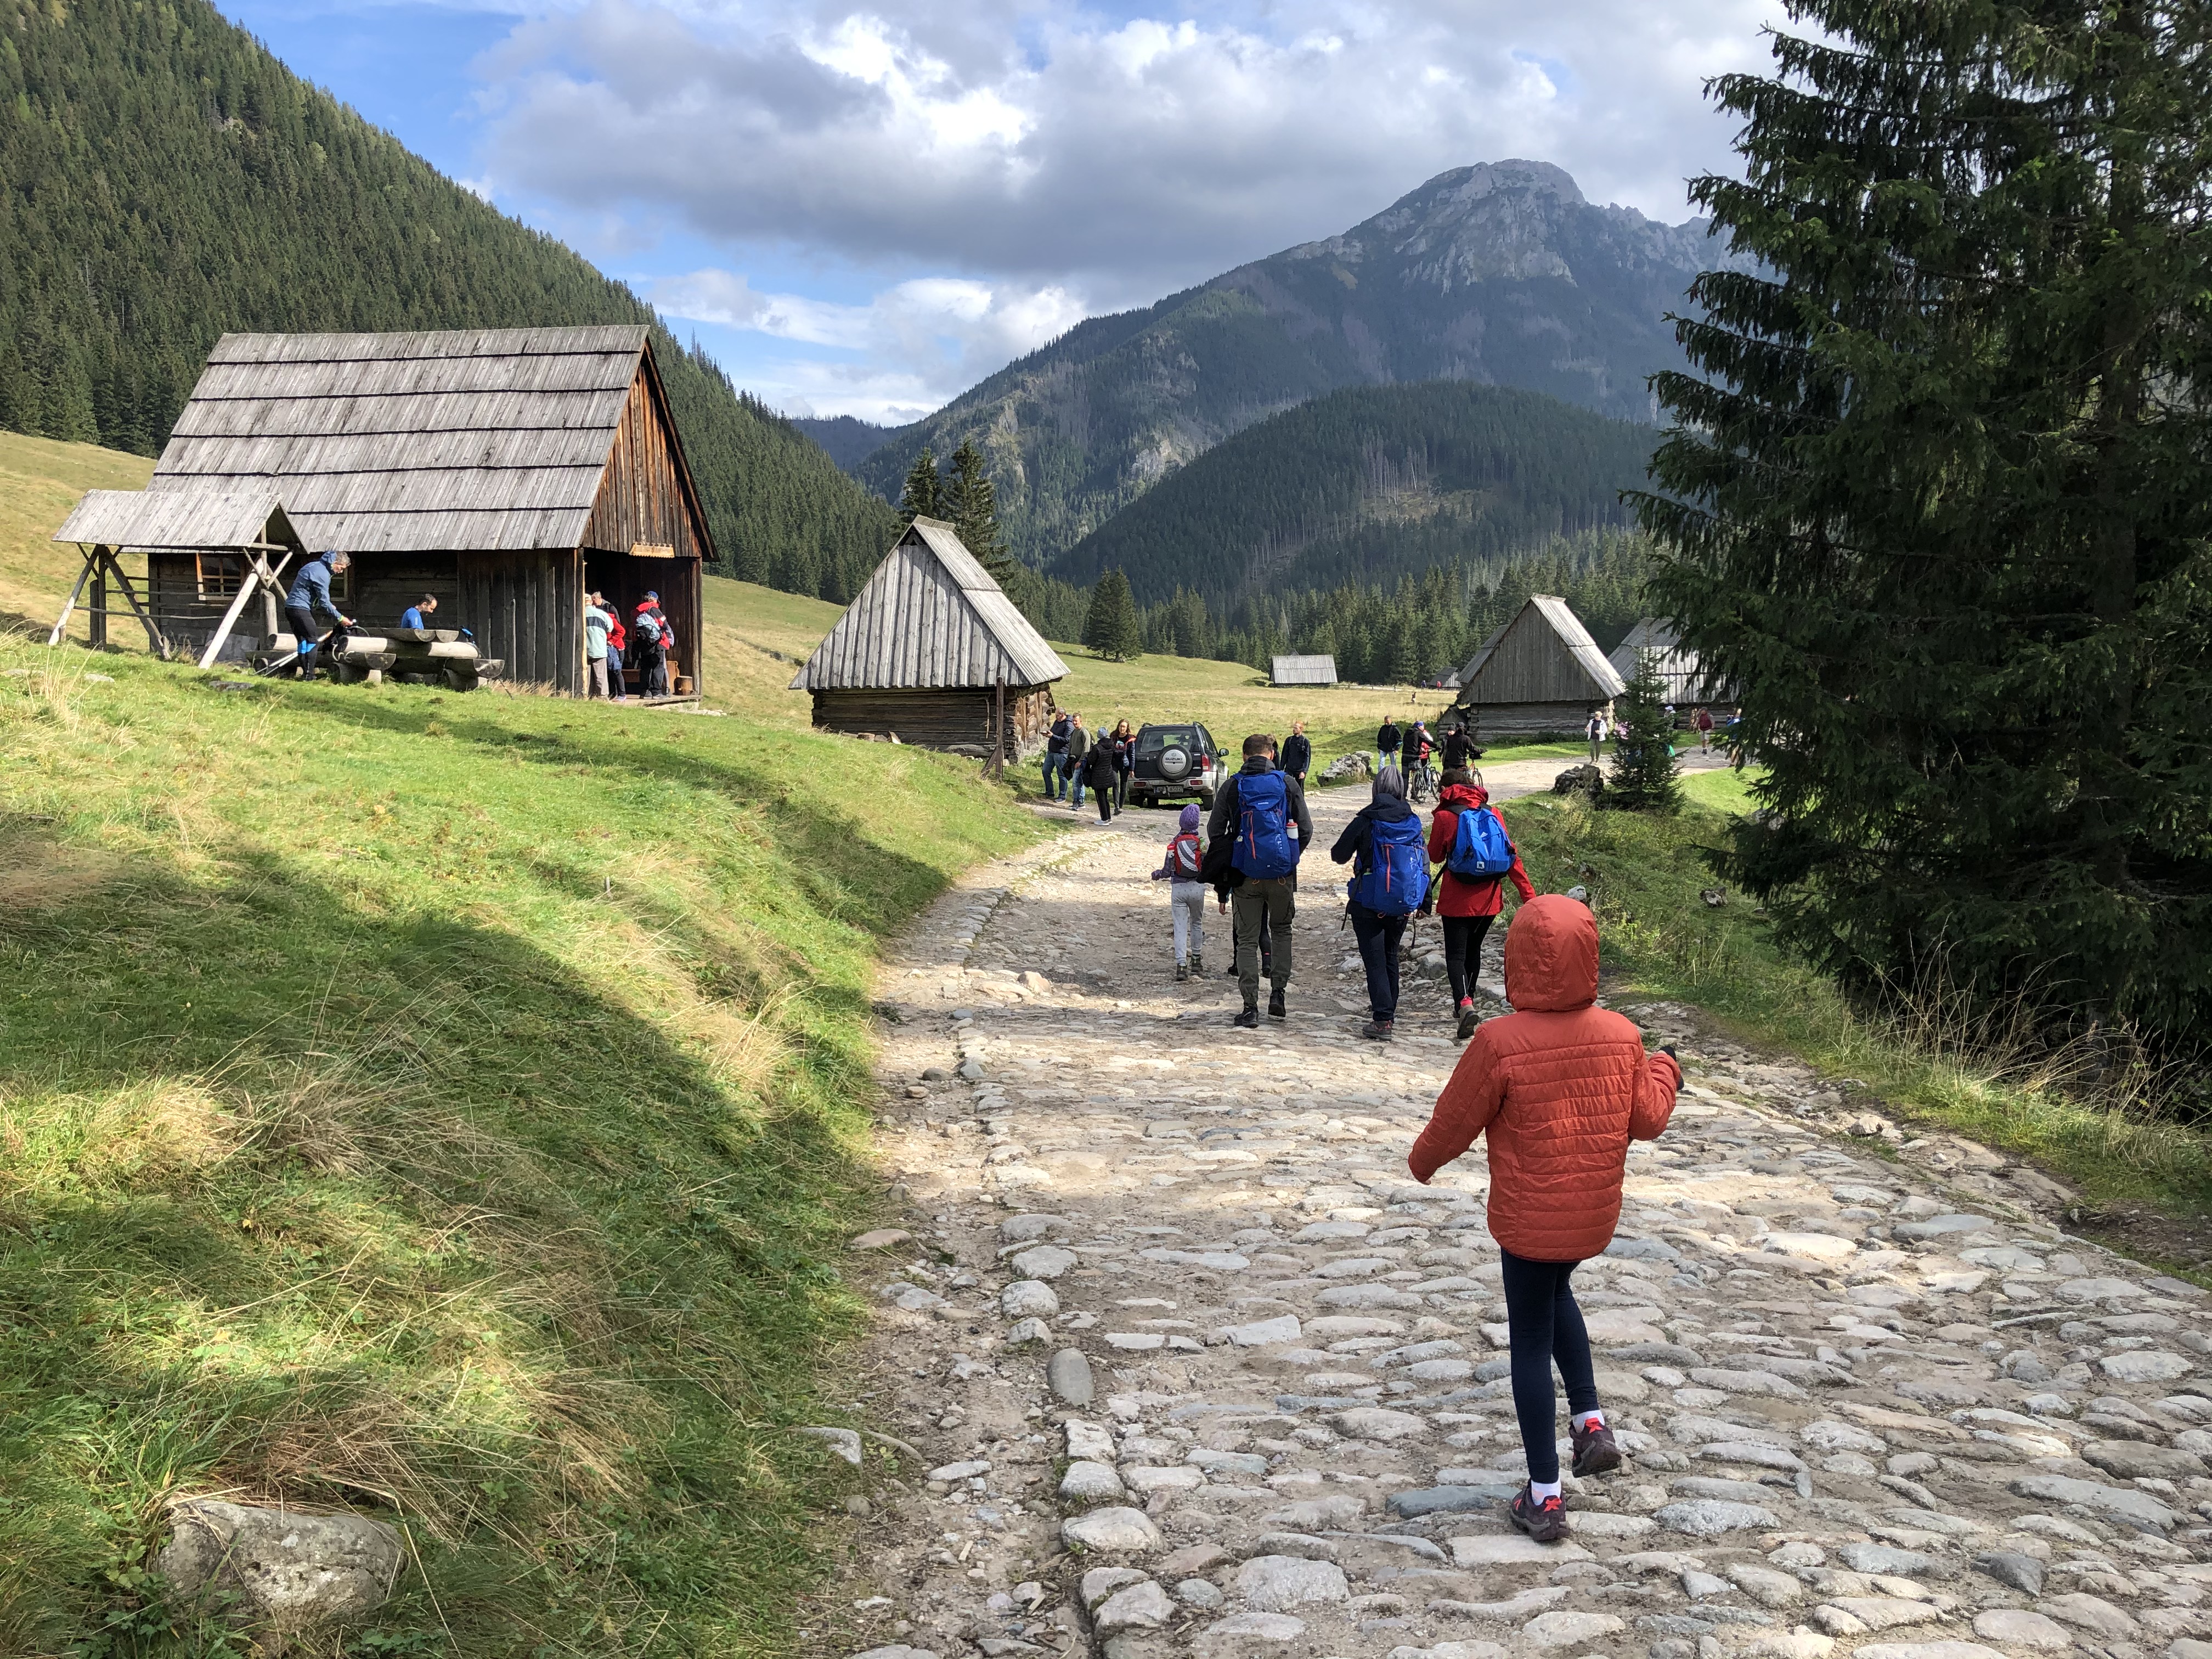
(1561, 1086)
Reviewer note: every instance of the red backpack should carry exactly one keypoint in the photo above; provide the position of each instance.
(1184, 855)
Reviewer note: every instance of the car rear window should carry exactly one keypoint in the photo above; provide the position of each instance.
(1153, 739)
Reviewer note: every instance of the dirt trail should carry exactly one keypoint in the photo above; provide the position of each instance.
(1197, 1370)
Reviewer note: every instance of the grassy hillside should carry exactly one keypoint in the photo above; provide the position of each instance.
(451, 1108)
(167, 180)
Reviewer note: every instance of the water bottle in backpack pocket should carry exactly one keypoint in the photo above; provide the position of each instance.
(1481, 850)
(1265, 845)
(1396, 878)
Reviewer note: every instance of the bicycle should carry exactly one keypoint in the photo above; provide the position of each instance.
(1421, 782)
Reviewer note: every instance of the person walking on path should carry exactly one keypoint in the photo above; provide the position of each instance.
(1386, 744)
(1055, 758)
(1182, 869)
(1466, 891)
(1297, 753)
(1099, 770)
(309, 598)
(597, 624)
(1561, 1087)
(1390, 882)
(1260, 806)
(1595, 732)
(1078, 755)
(1125, 762)
(1459, 748)
(1704, 724)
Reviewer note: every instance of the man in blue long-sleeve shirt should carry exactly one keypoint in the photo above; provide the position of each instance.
(310, 594)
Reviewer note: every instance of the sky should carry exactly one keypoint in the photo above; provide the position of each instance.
(863, 210)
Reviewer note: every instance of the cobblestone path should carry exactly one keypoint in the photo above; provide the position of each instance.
(1196, 1369)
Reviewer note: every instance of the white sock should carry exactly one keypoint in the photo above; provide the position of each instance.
(1539, 1490)
(1595, 1420)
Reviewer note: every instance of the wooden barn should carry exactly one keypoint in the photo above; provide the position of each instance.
(1305, 671)
(1541, 671)
(505, 472)
(1688, 685)
(933, 651)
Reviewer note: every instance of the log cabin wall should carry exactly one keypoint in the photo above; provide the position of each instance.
(187, 609)
(384, 585)
(937, 719)
(1521, 719)
(642, 502)
(532, 611)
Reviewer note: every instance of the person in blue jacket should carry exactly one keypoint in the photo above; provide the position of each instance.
(309, 595)
(418, 615)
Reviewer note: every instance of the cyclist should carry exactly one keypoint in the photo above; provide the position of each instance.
(1422, 775)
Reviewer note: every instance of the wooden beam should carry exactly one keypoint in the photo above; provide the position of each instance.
(69, 604)
(153, 636)
(257, 574)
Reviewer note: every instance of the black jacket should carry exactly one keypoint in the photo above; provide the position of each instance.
(1099, 766)
(1389, 738)
(1297, 754)
(1357, 842)
(1056, 738)
(1221, 826)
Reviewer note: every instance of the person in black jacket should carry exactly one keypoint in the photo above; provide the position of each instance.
(1268, 901)
(1079, 752)
(1386, 744)
(1100, 769)
(1055, 759)
(1378, 935)
(1459, 748)
(1297, 753)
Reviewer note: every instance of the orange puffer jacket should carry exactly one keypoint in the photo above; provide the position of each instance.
(1561, 1086)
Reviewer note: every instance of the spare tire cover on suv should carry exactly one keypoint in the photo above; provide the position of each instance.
(1175, 763)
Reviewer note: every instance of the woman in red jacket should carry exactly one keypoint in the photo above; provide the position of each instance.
(1561, 1086)
(1469, 904)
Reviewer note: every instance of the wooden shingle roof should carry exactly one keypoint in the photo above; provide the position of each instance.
(456, 440)
(1544, 655)
(930, 618)
(177, 520)
(1654, 641)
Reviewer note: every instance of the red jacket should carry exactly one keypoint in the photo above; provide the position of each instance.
(1459, 895)
(1561, 1086)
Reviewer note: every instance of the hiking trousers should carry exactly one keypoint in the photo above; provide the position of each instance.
(1275, 899)
(1188, 900)
(1378, 937)
(1544, 1324)
(1463, 937)
(596, 684)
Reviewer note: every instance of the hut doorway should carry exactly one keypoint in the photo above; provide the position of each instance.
(626, 579)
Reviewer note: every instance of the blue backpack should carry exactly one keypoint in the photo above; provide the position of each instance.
(1396, 878)
(1265, 845)
(1480, 851)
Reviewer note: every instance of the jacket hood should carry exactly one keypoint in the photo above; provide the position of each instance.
(1386, 808)
(1257, 763)
(1551, 956)
(1457, 795)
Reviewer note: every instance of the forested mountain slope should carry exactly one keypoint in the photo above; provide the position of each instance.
(1499, 274)
(1368, 484)
(165, 180)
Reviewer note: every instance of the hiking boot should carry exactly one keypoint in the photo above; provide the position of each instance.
(1275, 1009)
(1376, 1030)
(1249, 1019)
(1183, 973)
(1198, 964)
(1594, 1452)
(1544, 1519)
(1469, 1019)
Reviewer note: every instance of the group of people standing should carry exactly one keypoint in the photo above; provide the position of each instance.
(645, 644)
(1075, 758)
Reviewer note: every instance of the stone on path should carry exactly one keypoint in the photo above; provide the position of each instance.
(287, 1570)
(1118, 1531)
(1709, 1517)
(1567, 1630)
(1140, 1607)
(1275, 1584)
(1028, 1298)
(2016, 1627)
(1068, 1376)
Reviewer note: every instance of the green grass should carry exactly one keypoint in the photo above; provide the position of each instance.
(1645, 876)
(449, 1106)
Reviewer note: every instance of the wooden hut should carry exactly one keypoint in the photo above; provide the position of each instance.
(1541, 671)
(507, 471)
(1305, 671)
(1655, 642)
(933, 651)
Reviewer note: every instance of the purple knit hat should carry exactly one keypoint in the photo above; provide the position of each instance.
(1189, 818)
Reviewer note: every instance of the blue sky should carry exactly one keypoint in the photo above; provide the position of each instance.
(863, 209)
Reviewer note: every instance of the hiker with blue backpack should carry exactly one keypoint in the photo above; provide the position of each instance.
(1260, 806)
(1390, 882)
(1468, 839)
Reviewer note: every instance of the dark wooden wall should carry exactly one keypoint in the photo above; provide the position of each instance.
(937, 719)
(172, 591)
(526, 610)
(641, 495)
(385, 584)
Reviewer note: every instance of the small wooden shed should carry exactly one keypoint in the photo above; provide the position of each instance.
(932, 650)
(505, 472)
(1541, 672)
(1305, 671)
(1655, 642)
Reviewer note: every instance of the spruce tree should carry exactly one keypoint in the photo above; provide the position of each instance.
(1935, 501)
(973, 507)
(1643, 753)
(1112, 628)
(924, 495)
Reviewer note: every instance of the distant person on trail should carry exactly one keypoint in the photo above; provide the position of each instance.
(618, 642)
(1125, 762)
(1260, 806)
(1386, 744)
(1079, 753)
(308, 598)
(1100, 769)
(417, 615)
(1595, 732)
(1055, 758)
(1297, 753)
(597, 625)
(1181, 869)
(1561, 1087)
(1477, 857)
(1389, 881)
(649, 633)
(1704, 723)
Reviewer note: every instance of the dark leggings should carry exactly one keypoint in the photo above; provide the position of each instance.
(1546, 1325)
(1463, 937)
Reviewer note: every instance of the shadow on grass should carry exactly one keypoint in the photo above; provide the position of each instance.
(301, 1198)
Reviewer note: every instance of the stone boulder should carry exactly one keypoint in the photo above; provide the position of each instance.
(290, 1570)
(1584, 780)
